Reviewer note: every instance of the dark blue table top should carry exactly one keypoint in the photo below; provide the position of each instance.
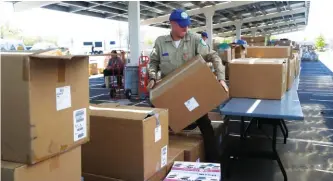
(288, 108)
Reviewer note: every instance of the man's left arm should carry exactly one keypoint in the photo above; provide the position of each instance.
(210, 56)
(213, 57)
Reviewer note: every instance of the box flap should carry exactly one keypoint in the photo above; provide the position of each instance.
(124, 112)
(259, 61)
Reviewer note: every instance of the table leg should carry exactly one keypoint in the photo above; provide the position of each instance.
(283, 132)
(276, 154)
(285, 127)
(242, 128)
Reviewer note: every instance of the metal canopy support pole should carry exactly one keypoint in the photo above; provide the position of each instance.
(238, 26)
(209, 13)
(134, 31)
(253, 33)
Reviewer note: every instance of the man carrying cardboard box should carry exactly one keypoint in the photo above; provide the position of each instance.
(172, 51)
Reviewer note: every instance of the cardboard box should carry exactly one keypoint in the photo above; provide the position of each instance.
(92, 177)
(258, 78)
(268, 52)
(93, 69)
(257, 44)
(194, 171)
(192, 103)
(258, 39)
(66, 166)
(291, 73)
(193, 147)
(238, 52)
(126, 140)
(50, 90)
(175, 154)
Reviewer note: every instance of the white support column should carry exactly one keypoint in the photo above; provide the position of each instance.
(209, 25)
(238, 26)
(253, 33)
(134, 31)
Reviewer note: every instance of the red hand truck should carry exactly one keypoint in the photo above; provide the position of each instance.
(143, 76)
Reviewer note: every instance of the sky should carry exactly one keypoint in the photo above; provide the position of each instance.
(66, 25)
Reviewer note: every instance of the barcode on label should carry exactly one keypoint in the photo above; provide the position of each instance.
(191, 104)
(80, 124)
(81, 135)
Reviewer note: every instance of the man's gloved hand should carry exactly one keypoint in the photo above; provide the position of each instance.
(225, 86)
(151, 85)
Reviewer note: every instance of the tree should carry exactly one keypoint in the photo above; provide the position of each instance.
(6, 31)
(320, 42)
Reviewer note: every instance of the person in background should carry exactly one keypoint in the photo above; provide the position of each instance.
(173, 50)
(115, 67)
(204, 36)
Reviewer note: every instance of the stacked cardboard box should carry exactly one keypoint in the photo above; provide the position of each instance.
(258, 78)
(93, 69)
(43, 131)
(255, 41)
(126, 139)
(277, 52)
(238, 51)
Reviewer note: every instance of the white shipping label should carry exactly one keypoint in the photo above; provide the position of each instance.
(80, 124)
(158, 133)
(164, 156)
(63, 97)
(191, 104)
(158, 128)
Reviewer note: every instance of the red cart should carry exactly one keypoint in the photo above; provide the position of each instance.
(143, 76)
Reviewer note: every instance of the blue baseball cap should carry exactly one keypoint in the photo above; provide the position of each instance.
(204, 34)
(180, 17)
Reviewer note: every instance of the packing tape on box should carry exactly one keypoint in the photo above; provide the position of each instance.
(54, 163)
(61, 69)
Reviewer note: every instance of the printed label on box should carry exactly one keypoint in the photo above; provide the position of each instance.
(158, 133)
(158, 129)
(63, 98)
(164, 156)
(191, 104)
(80, 124)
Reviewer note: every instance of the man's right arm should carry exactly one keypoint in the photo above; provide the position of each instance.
(154, 61)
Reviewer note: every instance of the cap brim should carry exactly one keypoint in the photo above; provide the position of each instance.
(184, 23)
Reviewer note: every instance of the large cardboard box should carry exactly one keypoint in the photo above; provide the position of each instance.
(126, 140)
(193, 147)
(92, 177)
(175, 154)
(258, 78)
(291, 73)
(238, 52)
(268, 52)
(258, 39)
(66, 166)
(192, 103)
(46, 100)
